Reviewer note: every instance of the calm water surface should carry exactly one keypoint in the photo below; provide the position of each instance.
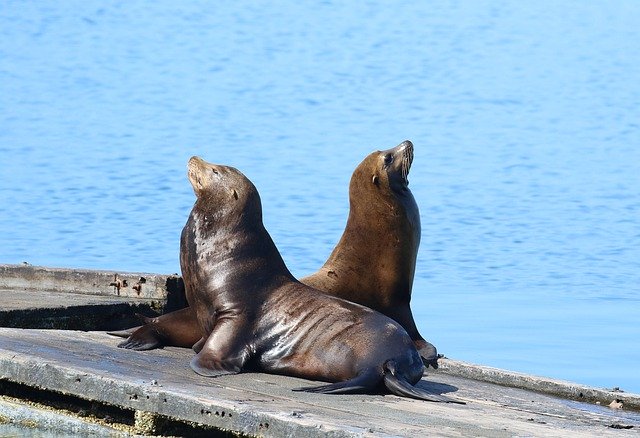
(525, 117)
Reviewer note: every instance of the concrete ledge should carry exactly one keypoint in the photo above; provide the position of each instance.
(40, 297)
(93, 282)
(558, 388)
(28, 416)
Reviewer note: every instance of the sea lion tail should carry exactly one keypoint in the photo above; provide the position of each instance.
(398, 386)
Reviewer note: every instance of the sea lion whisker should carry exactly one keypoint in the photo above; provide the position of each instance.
(407, 160)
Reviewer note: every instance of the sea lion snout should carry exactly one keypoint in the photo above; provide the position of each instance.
(405, 145)
(397, 163)
(405, 150)
(198, 179)
(202, 174)
(195, 162)
(407, 159)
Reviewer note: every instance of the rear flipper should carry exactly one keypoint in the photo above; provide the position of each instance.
(428, 353)
(128, 332)
(362, 383)
(142, 339)
(398, 386)
(124, 333)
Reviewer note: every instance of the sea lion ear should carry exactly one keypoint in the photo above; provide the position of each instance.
(375, 180)
(235, 195)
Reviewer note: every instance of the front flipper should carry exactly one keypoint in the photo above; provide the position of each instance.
(197, 347)
(210, 367)
(402, 314)
(225, 351)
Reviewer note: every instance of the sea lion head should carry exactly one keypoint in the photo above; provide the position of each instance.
(386, 169)
(223, 191)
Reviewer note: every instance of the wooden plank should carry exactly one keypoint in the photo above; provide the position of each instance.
(23, 416)
(559, 388)
(46, 309)
(29, 299)
(41, 297)
(95, 282)
(88, 364)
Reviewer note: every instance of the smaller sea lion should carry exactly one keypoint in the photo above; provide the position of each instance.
(374, 262)
(254, 315)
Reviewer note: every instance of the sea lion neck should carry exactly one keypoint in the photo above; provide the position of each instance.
(239, 237)
(382, 232)
(222, 215)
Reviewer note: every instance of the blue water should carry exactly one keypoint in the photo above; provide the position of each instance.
(525, 117)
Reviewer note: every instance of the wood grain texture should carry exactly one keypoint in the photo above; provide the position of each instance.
(88, 365)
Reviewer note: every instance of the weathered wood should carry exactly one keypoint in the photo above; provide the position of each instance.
(89, 365)
(40, 297)
(27, 416)
(54, 310)
(558, 388)
(29, 300)
(160, 382)
(94, 282)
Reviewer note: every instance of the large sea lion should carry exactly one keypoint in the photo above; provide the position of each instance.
(373, 264)
(254, 315)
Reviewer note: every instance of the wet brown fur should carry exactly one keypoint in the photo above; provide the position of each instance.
(254, 315)
(373, 264)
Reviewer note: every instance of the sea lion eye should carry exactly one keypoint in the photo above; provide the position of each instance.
(215, 171)
(375, 180)
(235, 195)
(388, 159)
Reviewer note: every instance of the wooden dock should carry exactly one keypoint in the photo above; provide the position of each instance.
(78, 381)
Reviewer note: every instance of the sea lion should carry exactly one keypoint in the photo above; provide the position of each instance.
(373, 264)
(254, 315)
